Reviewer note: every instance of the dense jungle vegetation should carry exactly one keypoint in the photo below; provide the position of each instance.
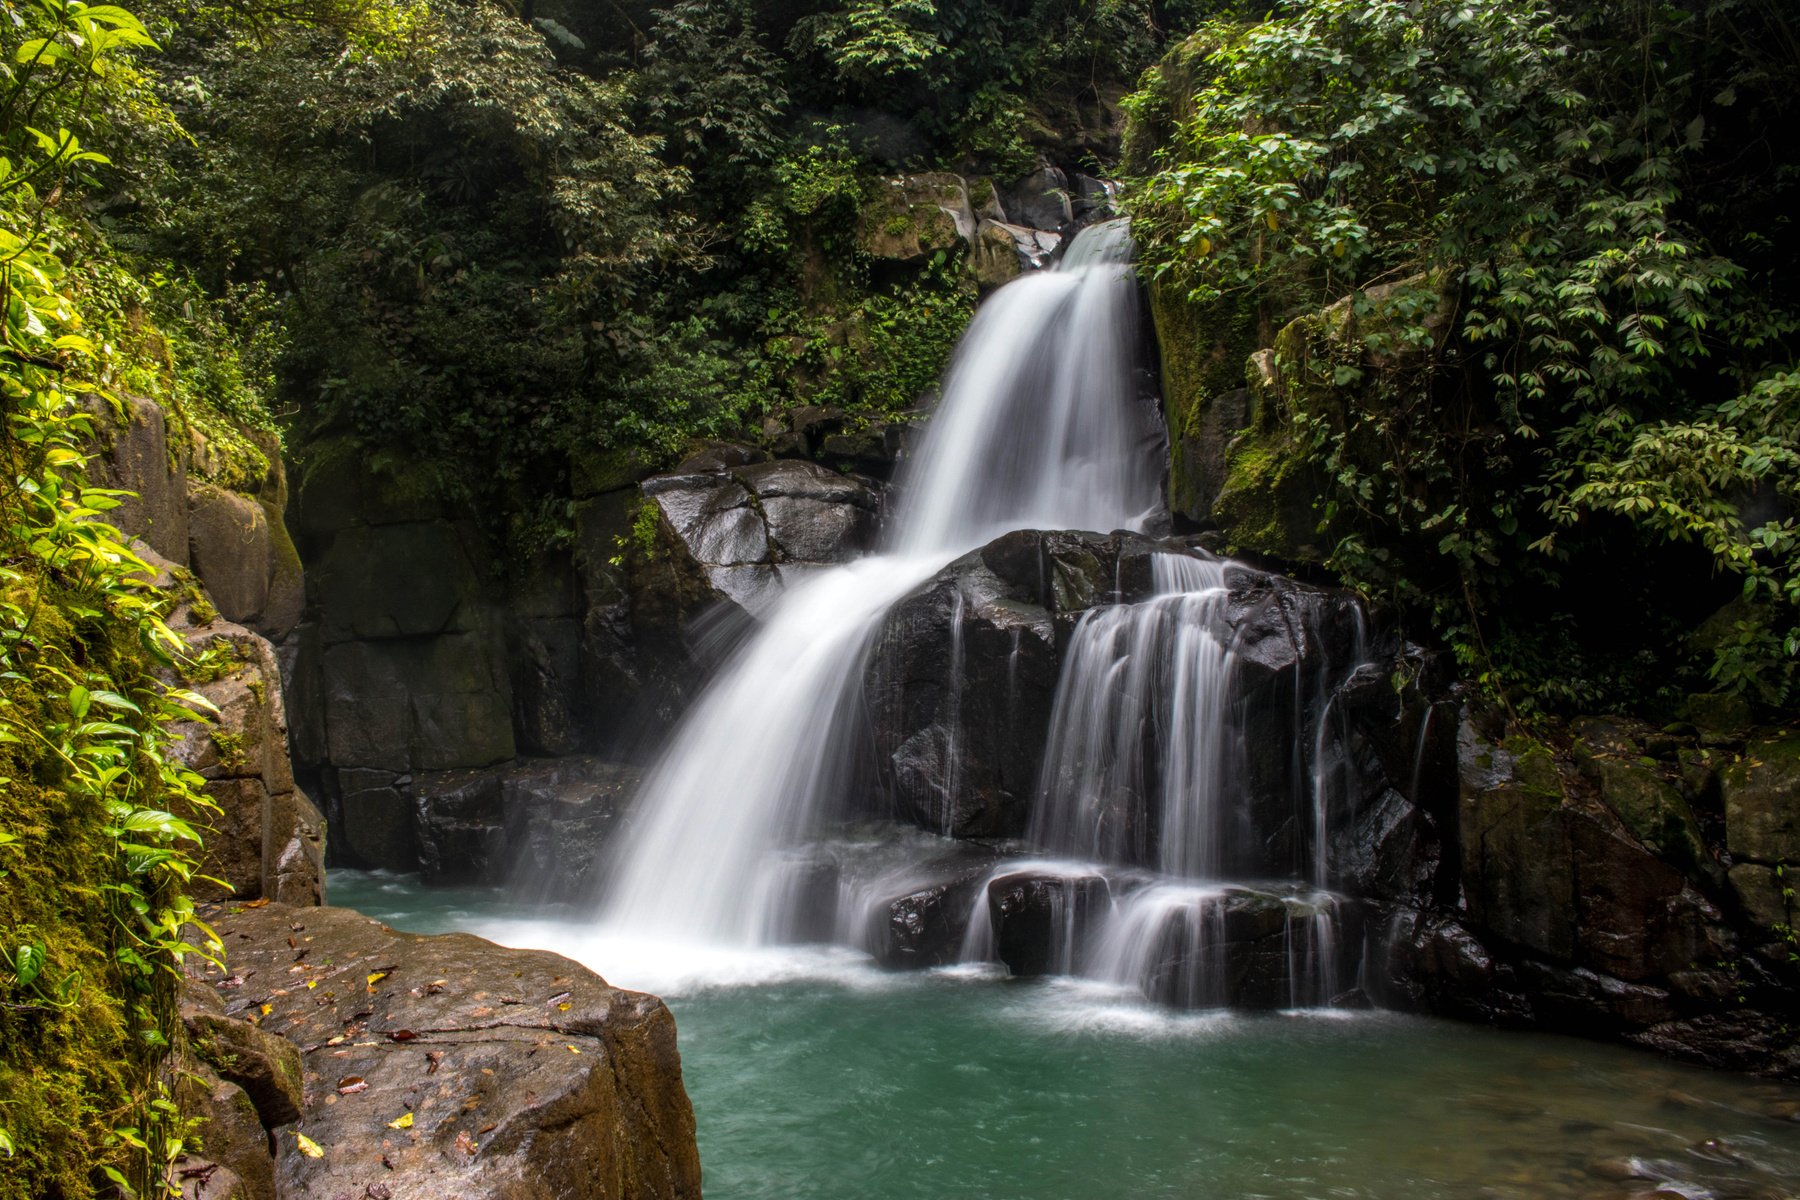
(1555, 415)
(1556, 411)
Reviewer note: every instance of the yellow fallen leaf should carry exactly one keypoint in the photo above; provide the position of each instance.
(267, 1009)
(573, 1050)
(564, 1006)
(309, 1147)
(403, 1121)
(311, 983)
(377, 977)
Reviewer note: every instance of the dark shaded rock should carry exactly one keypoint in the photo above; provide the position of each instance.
(376, 827)
(418, 704)
(539, 824)
(544, 657)
(1039, 919)
(561, 816)
(925, 926)
(1518, 865)
(293, 863)
(959, 687)
(524, 1075)
(1766, 898)
(1040, 199)
(1650, 805)
(232, 1137)
(1762, 801)
(1583, 1001)
(404, 579)
(461, 826)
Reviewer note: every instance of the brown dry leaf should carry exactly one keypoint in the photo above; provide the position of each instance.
(351, 1084)
(466, 1144)
(432, 1059)
(401, 1035)
(258, 903)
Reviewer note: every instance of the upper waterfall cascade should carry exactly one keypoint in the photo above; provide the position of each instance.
(1042, 425)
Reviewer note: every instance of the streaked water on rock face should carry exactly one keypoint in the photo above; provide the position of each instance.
(830, 1079)
(1039, 427)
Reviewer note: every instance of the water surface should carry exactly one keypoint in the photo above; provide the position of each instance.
(814, 1075)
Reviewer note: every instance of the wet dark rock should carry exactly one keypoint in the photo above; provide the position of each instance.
(451, 1066)
(925, 926)
(958, 687)
(1039, 919)
(1040, 199)
(237, 1164)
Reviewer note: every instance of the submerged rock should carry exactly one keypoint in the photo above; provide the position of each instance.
(450, 1066)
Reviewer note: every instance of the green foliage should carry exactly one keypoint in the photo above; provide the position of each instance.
(95, 887)
(1587, 344)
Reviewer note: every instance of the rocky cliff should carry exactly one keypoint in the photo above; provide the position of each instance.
(291, 1046)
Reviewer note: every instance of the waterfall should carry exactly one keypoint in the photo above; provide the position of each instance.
(1139, 758)
(1039, 427)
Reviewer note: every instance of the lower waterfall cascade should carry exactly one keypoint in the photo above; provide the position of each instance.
(1140, 864)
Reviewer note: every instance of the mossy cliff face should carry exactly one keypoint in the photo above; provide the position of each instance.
(71, 1061)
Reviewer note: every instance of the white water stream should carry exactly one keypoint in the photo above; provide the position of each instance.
(1039, 427)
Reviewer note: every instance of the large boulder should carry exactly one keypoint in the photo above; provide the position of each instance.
(450, 1066)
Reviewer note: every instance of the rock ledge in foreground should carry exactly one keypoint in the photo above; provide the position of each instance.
(525, 1075)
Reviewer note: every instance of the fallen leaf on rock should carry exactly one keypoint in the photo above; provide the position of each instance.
(267, 1009)
(465, 1143)
(436, 986)
(488, 1128)
(309, 1147)
(403, 1121)
(432, 1059)
(378, 1191)
(376, 978)
(565, 1006)
(573, 1050)
(401, 1035)
(258, 903)
(351, 1084)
